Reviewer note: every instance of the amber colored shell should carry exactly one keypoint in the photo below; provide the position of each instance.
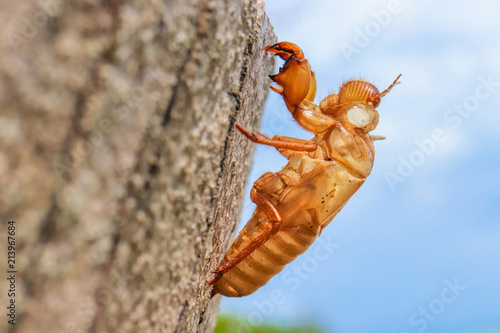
(295, 204)
(358, 91)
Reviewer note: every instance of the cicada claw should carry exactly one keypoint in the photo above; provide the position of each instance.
(295, 79)
(285, 50)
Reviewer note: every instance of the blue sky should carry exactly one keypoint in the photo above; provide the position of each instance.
(417, 249)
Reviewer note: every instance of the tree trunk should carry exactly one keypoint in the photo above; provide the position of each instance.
(119, 161)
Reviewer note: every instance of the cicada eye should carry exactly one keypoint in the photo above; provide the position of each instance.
(362, 116)
(358, 116)
(359, 91)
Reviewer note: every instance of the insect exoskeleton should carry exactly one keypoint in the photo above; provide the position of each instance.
(295, 204)
(359, 90)
(362, 116)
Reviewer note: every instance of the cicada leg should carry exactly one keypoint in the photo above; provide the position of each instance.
(274, 218)
(246, 251)
(295, 78)
(268, 208)
(279, 142)
(297, 84)
(312, 89)
(310, 95)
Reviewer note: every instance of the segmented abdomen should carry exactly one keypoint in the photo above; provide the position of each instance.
(268, 259)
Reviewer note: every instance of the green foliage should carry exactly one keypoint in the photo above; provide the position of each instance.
(230, 324)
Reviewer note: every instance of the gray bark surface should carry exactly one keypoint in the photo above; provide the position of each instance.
(119, 160)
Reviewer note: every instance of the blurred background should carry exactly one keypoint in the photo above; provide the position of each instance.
(417, 248)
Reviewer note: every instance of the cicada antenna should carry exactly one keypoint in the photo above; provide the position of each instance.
(383, 93)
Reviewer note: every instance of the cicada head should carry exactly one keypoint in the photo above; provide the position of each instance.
(355, 104)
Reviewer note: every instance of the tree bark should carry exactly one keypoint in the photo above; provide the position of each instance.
(119, 159)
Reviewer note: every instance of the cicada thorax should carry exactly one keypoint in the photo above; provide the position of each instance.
(359, 91)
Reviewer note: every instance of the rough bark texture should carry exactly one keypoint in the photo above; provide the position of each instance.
(119, 160)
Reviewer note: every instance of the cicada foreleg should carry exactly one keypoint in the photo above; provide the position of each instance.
(295, 79)
(297, 85)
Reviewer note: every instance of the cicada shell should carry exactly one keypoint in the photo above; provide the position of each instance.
(295, 204)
